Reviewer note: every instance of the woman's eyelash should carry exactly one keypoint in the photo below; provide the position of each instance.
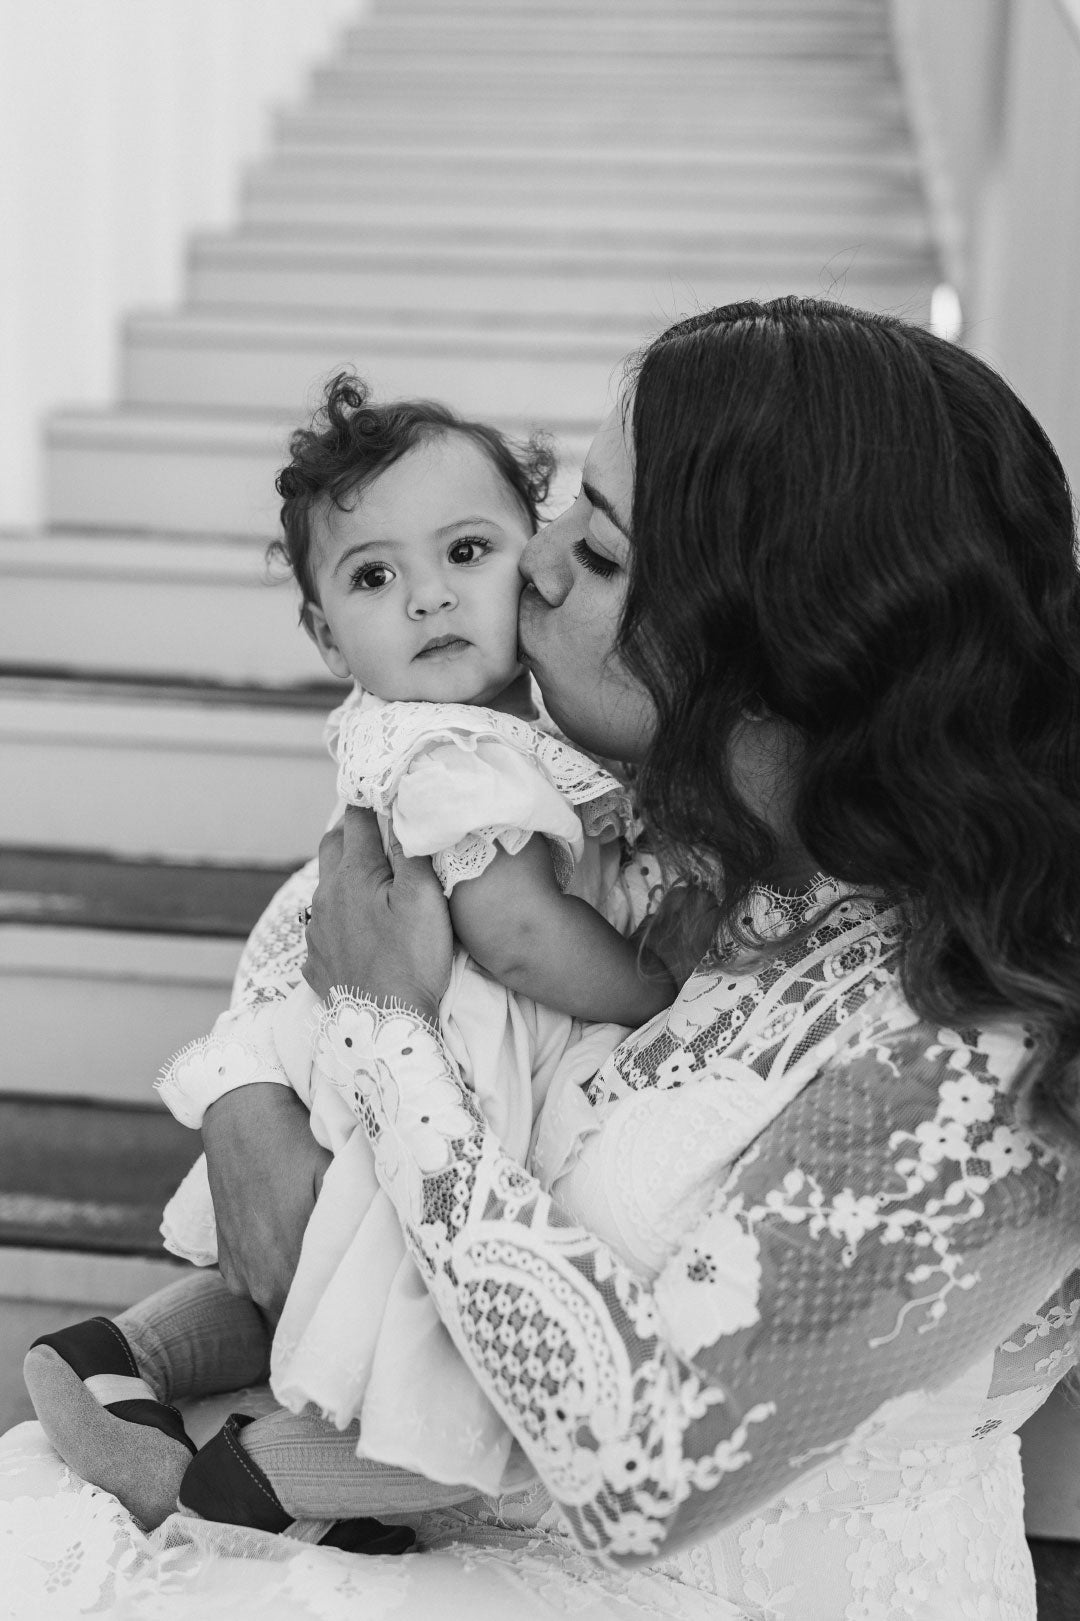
(603, 566)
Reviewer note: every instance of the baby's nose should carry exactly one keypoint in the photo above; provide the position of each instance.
(430, 597)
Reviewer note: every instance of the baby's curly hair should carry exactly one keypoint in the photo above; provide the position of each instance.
(351, 441)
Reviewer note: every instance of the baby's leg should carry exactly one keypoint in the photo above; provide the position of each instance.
(101, 1389)
(296, 1472)
(196, 1338)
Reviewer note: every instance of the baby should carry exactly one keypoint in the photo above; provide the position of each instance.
(403, 526)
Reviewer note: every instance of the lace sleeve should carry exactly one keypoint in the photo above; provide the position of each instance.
(885, 1231)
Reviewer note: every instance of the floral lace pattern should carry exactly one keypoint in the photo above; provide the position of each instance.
(463, 781)
(890, 1222)
(810, 1384)
(273, 956)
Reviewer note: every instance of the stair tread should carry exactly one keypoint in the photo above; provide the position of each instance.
(195, 429)
(95, 890)
(765, 228)
(161, 555)
(73, 686)
(254, 328)
(633, 158)
(319, 246)
(56, 1157)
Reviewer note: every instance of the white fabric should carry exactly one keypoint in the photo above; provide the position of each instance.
(110, 1387)
(832, 1338)
(359, 1336)
(814, 1357)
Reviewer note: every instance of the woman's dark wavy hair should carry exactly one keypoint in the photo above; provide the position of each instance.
(847, 523)
(351, 441)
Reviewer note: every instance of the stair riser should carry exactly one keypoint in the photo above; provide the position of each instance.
(632, 165)
(239, 375)
(197, 782)
(133, 482)
(552, 76)
(660, 11)
(765, 220)
(516, 248)
(90, 1013)
(580, 124)
(82, 604)
(184, 488)
(602, 47)
(262, 278)
(424, 181)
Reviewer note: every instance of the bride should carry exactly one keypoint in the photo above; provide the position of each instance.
(783, 1279)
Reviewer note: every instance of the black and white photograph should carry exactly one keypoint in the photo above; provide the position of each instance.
(540, 829)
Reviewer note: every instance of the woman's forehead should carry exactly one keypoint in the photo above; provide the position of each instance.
(609, 466)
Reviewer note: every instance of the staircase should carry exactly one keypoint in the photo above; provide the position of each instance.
(490, 201)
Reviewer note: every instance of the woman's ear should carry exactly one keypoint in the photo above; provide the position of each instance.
(315, 623)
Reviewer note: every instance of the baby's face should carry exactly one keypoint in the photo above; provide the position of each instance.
(418, 585)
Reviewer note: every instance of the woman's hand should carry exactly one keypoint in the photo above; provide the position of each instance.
(265, 1171)
(378, 927)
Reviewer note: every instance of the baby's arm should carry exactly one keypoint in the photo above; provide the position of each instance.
(514, 920)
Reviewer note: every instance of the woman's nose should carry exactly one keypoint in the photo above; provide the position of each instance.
(430, 596)
(545, 562)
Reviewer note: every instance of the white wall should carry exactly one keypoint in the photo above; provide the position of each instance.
(993, 90)
(124, 124)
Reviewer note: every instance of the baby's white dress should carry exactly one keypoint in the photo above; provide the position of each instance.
(359, 1337)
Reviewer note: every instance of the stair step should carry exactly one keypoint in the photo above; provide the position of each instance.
(88, 1176)
(431, 10)
(536, 165)
(580, 124)
(189, 472)
(44, 1289)
(666, 11)
(638, 28)
(97, 1012)
(275, 275)
(149, 770)
(238, 361)
(109, 966)
(553, 77)
(568, 255)
(754, 219)
(201, 473)
(89, 889)
(674, 28)
(423, 178)
(160, 605)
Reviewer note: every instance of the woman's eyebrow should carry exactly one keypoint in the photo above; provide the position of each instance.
(602, 504)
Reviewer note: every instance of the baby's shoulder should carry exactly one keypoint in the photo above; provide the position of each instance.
(378, 746)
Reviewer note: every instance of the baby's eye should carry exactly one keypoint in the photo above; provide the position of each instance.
(372, 576)
(469, 549)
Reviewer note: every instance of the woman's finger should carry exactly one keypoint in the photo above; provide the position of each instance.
(362, 842)
(331, 848)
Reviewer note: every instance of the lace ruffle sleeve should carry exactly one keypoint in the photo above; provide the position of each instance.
(459, 782)
(885, 1231)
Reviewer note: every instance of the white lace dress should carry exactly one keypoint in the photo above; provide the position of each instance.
(765, 1322)
(359, 1336)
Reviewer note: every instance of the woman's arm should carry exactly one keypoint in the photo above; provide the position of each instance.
(845, 1264)
(517, 923)
(883, 1233)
